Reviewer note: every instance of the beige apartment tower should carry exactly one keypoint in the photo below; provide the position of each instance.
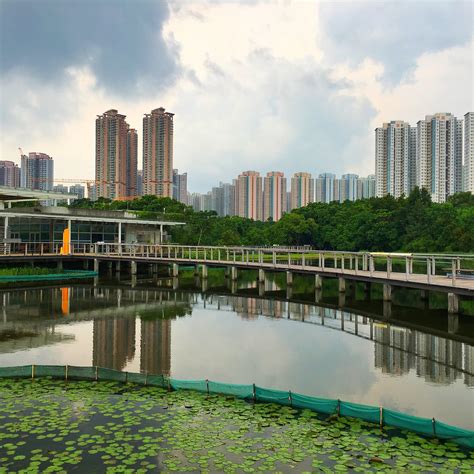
(248, 195)
(158, 153)
(274, 196)
(112, 160)
(302, 190)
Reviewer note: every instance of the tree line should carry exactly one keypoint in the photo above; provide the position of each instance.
(413, 223)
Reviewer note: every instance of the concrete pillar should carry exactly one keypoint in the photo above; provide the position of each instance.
(133, 267)
(117, 267)
(134, 279)
(204, 271)
(342, 299)
(342, 285)
(233, 273)
(175, 283)
(175, 270)
(424, 294)
(261, 275)
(289, 278)
(318, 295)
(289, 292)
(387, 309)
(261, 288)
(85, 264)
(318, 282)
(109, 266)
(233, 287)
(453, 323)
(196, 270)
(204, 284)
(387, 292)
(453, 303)
(96, 265)
(60, 265)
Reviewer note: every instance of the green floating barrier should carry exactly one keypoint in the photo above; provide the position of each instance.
(19, 371)
(272, 396)
(458, 435)
(82, 373)
(408, 422)
(363, 412)
(424, 426)
(239, 391)
(198, 385)
(320, 405)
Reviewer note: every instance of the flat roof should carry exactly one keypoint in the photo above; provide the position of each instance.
(8, 193)
(116, 220)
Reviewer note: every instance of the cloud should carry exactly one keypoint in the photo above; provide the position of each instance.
(392, 33)
(120, 41)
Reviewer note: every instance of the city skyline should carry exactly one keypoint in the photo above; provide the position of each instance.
(264, 104)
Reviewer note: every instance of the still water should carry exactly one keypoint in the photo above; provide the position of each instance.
(408, 359)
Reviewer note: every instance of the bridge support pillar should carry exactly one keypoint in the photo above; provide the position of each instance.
(342, 299)
(289, 278)
(204, 271)
(117, 267)
(96, 265)
(233, 273)
(261, 288)
(109, 266)
(154, 268)
(233, 287)
(453, 323)
(175, 283)
(318, 294)
(342, 285)
(424, 294)
(196, 270)
(134, 280)
(133, 267)
(289, 292)
(318, 282)
(387, 292)
(387, 309)
(204, 285)
(453, 303)
(85, 264)
(60, 265)
(261, 275)
(175, 270)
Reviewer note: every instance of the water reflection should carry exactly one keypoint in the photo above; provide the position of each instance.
(320, 349)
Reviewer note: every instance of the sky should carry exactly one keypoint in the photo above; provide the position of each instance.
(254, 85)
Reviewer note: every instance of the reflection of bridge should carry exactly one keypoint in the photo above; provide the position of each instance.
(399, 347)
(428, 272)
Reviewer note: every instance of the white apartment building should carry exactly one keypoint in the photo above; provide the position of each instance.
(469, 152)
(439, 155)
(395, 158)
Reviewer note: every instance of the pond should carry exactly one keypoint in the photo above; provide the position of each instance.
(407, 358)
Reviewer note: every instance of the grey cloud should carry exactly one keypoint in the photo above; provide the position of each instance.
(120, 40)
(394, 33)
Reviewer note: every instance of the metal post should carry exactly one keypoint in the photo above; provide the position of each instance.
(453, 271)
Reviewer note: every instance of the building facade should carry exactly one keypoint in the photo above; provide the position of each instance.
(439, 155)
(131, 173)
(180, 186)
(37, 171)
(248, 195)
(79, 190)
(158, 153)
(395, 158)
(469, 152)
(10, 174)
(302, 190)
(274, 196)
(111, 163)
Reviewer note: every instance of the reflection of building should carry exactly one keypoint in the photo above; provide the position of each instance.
(439, 358)
(155, 347)
(113, 342)
(273, 308)
(394, 350)
(246, 308)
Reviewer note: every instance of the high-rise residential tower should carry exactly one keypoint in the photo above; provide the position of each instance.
(469, 152)
(112, 163)
(180, 187)
(158, 153)
(248, 195)
(9, 174)
(348, 185)
(37, 171)
(395, 158)
(302, 190)
(439, 155)
(274, 196)
(131, 173)
(325, 187)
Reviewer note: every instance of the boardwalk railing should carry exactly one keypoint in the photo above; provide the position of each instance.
(431, 269)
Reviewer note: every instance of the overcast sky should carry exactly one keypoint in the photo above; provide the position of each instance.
(285, 85)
